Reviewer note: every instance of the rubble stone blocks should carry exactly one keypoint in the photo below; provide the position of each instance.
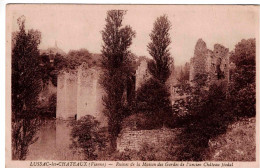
(135, 139)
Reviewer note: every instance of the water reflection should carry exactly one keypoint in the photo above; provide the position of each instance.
(53, 143)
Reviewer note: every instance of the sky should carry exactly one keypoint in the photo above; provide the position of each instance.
(80, 26)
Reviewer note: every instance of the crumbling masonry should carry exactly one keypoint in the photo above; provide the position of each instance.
(213, 63)
(79, 93)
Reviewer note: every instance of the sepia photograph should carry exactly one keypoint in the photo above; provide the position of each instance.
(132, 83)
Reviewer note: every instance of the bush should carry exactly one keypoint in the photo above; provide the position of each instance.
(88, 137)
(243, 81)
(209, 117)
(243, 100)
(238, 144)
(153, 100)
(137, 121)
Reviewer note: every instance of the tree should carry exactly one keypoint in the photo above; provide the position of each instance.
(116, 60)
(153, 98)
(209, 116)
(77, 57)
(158, 48)
(26, 85)
(153, 101)
(88, 136)
(183, 80)
(244, 59)
(243, 87)
(184, 73)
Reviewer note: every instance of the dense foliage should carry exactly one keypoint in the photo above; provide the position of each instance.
(243, 79)
(208, 117)
(116, 62)
(213, 107)
(157, 109)
(54, 61)
(76, 57)
(87, 136)
(153, 98)
(158, 48)
(26, 85)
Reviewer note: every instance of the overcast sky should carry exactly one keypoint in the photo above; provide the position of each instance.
(79, 26)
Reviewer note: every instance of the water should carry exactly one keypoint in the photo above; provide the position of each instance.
(53, 143)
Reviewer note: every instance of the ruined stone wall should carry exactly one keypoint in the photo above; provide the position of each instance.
(86, 93)
(60, 96)
(135, 139)
(71, 93)
(198, 64)
(67, 95)
(191, 76)
(214, 63)
(79, 93)
(219, 63)
(100, 104)
(142, 74)
(90, 94)
(209, 57)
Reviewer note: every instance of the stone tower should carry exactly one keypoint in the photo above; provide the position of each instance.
(219, 63)
(198, 63)
(213, 63)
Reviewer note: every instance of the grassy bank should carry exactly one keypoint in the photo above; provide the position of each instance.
(237, 144)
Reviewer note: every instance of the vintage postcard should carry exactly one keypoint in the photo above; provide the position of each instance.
(132, 85)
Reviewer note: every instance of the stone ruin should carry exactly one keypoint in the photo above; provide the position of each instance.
(142, 73)
(79, 93)
(214, 63)
(136, 139)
